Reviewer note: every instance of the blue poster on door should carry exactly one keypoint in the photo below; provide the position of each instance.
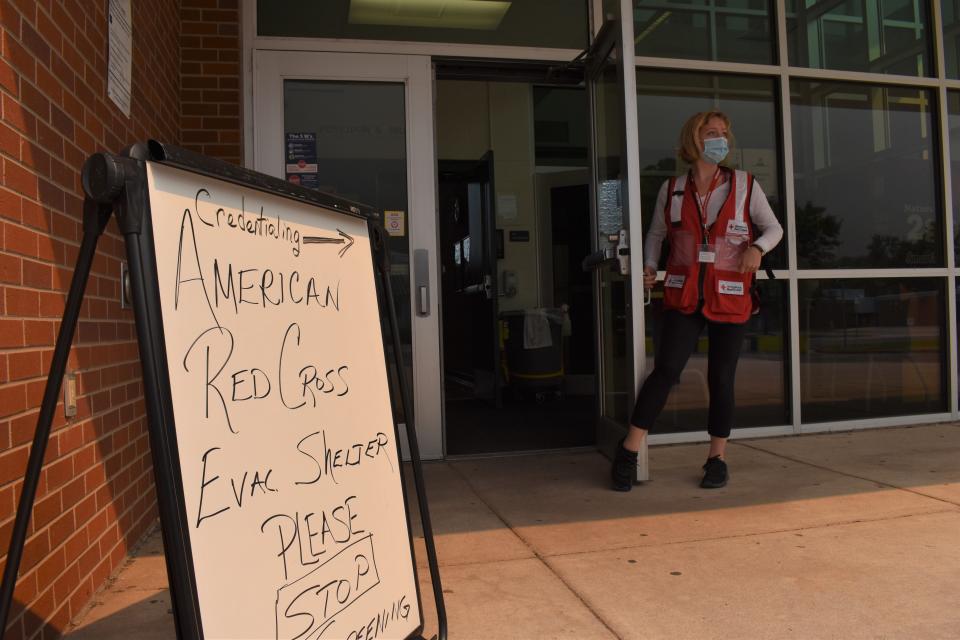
(301, 159)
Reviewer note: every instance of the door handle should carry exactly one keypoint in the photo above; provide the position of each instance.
(619, 251)
(421, 281)
(423, 300)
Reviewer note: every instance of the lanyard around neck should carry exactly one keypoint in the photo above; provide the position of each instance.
(702, 205)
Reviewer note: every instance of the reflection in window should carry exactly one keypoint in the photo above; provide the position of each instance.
(706, 30)
(527, 23)
(865, 170)
(951, 36)
(871, 348)
(762, 383)
(664, 102)
(879, 36)
(953, 115)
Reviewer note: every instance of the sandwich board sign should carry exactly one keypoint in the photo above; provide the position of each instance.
(278, 466)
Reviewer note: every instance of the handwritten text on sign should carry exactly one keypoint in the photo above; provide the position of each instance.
(289, 463)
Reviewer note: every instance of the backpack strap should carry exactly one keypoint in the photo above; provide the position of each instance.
(743, 184)
(676, 188)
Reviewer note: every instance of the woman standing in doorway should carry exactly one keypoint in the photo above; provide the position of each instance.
(719, 225)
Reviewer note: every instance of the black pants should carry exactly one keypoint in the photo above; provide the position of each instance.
(678, 339)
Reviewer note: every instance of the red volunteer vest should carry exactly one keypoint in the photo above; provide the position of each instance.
(724, 290)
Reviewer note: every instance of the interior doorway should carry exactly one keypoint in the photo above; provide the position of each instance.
(517, 309)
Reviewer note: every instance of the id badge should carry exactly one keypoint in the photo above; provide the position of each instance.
(735, 228)
(707, 254)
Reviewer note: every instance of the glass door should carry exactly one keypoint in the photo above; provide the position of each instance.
(617, 256)
(361, 126)
(514, 226)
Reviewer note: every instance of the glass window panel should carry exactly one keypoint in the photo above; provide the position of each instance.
(865, 175)
(617, 355)
(665, 99)
(871, 348)
(879, 36)
(762, 384)
(355, 133)
(951, 36)
(723, 30)
(953, 119)
(527, 23)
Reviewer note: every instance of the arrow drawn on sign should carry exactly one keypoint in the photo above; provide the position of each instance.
(344, 239)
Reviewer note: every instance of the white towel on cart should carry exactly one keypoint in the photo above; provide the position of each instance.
(536, 329)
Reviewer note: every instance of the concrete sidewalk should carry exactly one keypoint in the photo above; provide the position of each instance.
(851, 535)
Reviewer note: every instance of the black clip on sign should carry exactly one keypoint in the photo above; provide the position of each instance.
(275, 451)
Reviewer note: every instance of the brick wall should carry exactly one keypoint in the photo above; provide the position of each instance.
(96, 494)
(210, 67)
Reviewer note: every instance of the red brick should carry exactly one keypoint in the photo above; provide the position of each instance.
(19, 179)
(20, 240)
(34, 215)
(22, 302)
(51, 304)
(37, 275)
(65, 227)
(49, 30)
(34, 157)
(62, 587)
(9, 141)
(51, 195)
(12, 463)
(10, 18)
(221, 123)
(59, 473)
(23, 427)
(62, 174)
(8, 503)
(71, 439)
(9, 79)
(35, 100)
(45, 509)
(221, 68)
(85, 511)
(35, 43)
(38, 332)
(48, 249)
(62, 71)
(27, 8)
(16, 115)
(10, 269)
(11, 333)
(61, 122)
(63, 527)
(21, 59)
(24, 364)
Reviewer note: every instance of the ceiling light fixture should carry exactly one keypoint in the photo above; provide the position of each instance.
(436, 14)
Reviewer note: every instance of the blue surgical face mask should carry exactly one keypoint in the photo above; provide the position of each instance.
(715, 150)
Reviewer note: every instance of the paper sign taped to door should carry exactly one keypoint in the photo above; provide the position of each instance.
(393, 221)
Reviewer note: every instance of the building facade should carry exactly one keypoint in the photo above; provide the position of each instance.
(514, 149)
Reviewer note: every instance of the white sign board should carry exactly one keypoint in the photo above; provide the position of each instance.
(287, 451)
(120, 52)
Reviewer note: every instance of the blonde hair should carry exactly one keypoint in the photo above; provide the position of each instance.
(689, 147)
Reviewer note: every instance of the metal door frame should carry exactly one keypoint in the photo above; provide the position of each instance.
(605, 43)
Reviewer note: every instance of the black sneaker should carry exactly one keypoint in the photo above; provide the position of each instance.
(714, 474)
(624, 468)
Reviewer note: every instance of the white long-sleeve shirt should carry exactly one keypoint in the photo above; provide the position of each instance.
(761, 215)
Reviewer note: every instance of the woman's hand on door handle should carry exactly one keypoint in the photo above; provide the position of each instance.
(649, 277)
